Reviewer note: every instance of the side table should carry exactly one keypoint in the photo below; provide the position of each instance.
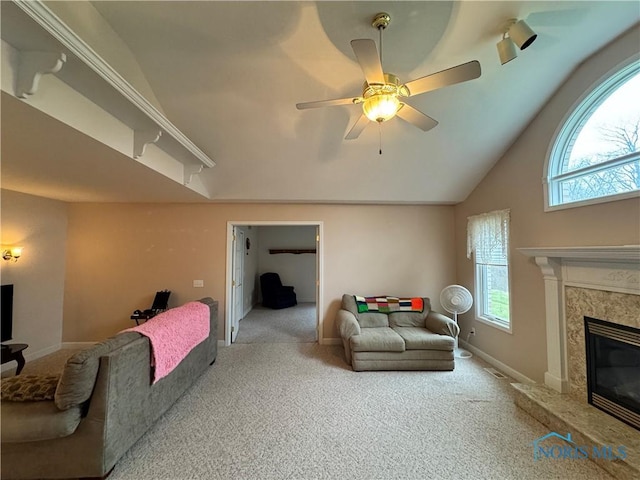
(13, 351)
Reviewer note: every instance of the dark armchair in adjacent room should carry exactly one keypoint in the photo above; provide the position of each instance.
(274, 294)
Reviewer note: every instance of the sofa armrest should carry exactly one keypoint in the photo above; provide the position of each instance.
(36, 421)
(347, 324)
(441, 324)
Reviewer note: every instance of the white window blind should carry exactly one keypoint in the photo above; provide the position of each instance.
(488, 237)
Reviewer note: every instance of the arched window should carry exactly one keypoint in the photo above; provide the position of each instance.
(596, 155)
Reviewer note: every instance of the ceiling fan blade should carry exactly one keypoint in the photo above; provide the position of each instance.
(416, 117)
(327, 103)
(367, 55)
(451, 76)
(357, 128)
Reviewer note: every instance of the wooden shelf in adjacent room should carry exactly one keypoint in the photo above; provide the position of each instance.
(295, 251)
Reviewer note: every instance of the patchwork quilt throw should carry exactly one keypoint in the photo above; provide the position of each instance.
(388, 304)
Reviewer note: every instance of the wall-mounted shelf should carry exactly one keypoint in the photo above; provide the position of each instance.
(295, 251)
(46, 44)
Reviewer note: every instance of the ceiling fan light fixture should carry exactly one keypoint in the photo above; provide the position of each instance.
(381, 107)
(382, 93)
(381, 102)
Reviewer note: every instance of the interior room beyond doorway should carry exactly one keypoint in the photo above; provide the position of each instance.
(292, 251)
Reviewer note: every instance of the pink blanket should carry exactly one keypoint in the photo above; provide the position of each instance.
(173, 334)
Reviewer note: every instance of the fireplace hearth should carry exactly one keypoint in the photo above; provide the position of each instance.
(613, 369)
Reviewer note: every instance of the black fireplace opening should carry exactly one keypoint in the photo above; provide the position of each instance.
(613, 369)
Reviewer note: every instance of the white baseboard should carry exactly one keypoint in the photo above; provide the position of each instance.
(28, 357)
(504, 368)
(41, 353)
(322, 341)
(77, 344)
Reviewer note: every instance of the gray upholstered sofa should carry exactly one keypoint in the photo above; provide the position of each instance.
(110, 403)
(403, 340)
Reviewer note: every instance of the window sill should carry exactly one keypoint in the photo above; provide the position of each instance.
(592, 201)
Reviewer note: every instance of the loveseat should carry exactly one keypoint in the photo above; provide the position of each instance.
(104, 402)
(389, 333)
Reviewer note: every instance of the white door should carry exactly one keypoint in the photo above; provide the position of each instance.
(318, 332)
(237, 311)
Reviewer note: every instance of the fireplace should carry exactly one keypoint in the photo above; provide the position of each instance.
(599, 283)
(606, 282)
(613, 369)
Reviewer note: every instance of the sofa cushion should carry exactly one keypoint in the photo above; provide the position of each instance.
(80, 372)
(416, 338)
(33, 421)
(382, 339)
(29, 388)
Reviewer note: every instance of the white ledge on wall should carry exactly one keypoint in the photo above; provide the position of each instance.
(32, 65)
(617, 253)
(136, 106)
(189, 171)
(142, 138)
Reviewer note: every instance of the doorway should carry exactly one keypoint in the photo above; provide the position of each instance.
(242, 248)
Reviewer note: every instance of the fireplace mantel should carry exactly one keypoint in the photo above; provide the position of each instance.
(621, 253)
(609, 268)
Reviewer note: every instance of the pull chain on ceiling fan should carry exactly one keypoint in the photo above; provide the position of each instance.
(383, 95)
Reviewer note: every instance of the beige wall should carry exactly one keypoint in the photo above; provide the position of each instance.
(296, 270)
(121, 254)
(515, 183)
(40, 227)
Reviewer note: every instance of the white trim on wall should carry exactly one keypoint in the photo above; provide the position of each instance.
(608, 268)
(29, 357)
(503, 367)
(76, 345)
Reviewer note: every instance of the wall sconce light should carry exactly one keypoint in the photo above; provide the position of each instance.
(516, 32)
(11, 253)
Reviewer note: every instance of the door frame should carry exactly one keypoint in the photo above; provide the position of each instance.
(237, 290)
(319, 269)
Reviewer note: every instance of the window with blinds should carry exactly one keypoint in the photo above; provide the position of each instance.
(488, 243)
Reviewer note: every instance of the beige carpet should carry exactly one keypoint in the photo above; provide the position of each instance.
(266, 325)
(297, 411)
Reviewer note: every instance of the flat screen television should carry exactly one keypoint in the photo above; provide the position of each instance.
(6, 310)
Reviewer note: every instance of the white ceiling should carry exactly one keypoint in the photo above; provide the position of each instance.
(228, 75)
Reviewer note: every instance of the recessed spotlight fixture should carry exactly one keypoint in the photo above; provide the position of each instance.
(516, 32)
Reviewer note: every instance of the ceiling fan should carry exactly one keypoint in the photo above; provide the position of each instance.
(383, 96)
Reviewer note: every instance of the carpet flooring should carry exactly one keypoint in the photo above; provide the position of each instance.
(295, 324)
(298, 411)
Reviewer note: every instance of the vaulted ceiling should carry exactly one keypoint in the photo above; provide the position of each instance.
(229, 75)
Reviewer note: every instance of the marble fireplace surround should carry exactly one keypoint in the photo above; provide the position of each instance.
(603, 282)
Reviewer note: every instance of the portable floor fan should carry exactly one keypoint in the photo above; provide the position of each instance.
(456, 299)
